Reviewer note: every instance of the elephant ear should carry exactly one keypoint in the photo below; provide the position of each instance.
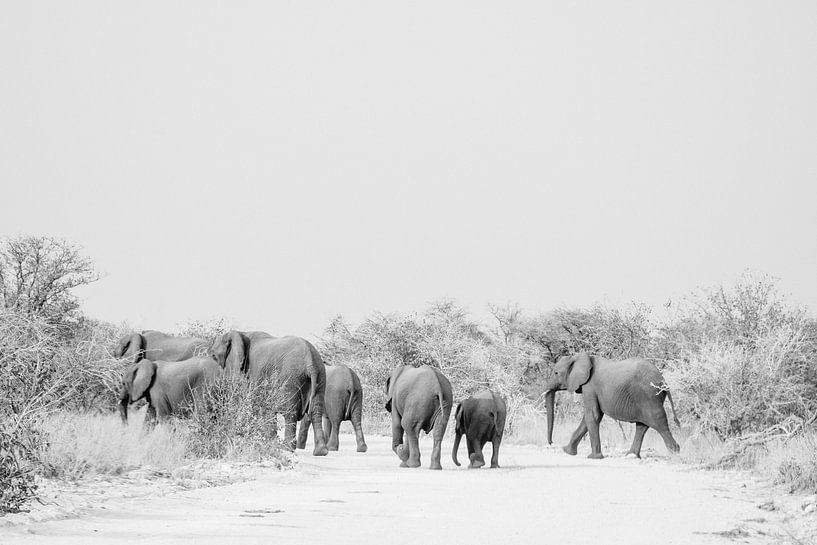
(390, 385)
(230, 351)
(143, 375)
(459, 426)
(579, 372)
(131, 345)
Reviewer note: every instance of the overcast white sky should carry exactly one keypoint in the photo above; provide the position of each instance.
(281, 162)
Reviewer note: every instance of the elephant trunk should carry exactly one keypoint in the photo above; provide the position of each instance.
(550, 397)
(456, 447)
(124, 399)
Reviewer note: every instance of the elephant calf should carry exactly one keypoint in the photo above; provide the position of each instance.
(418, 398)
(167, 386)
(343, 401)
(481, 418)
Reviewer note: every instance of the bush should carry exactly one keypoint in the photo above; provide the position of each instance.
(236, 418)
(740, 360)
(17, 483)
(443, 336)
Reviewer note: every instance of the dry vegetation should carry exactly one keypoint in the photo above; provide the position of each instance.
(741, 363)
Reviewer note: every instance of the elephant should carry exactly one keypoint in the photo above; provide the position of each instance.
(155, 346)
(481, 418)
(418, 398)
(293, 362)
(343, 401)
(630, 390)
(167, 386)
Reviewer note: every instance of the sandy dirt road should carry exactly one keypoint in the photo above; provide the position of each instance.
(539, 496)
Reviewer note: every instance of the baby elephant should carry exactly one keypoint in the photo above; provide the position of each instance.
(167, 386)
(481, 418)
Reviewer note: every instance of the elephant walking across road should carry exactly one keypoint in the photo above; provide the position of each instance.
(343, 401)
(630, 391)
(298, 370)
(481, 418)
(157, 346)
(418, 398)
(167, 386)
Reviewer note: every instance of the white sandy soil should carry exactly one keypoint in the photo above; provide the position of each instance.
(538, 496)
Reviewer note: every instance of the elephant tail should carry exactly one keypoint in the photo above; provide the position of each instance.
(674, 414)
(347, 414)
(317, 377)
(458, 428)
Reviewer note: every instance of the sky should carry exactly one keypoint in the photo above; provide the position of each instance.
(279, 163)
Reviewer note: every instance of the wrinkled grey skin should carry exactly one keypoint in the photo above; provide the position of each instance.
(167, 386)
(157, 346)
(343, 401)
(294, 362)
(625, 390)
(481, 418)
(418, 398)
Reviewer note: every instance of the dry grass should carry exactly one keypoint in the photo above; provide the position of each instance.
(82, 445)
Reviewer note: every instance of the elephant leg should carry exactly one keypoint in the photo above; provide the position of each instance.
(572, 446)
(397, 433)
(640, 430)
(592, 417)
(477, 459)
(333, 442)
(274, 427)
(356, 424)
(438, 432)
(412, 436)
(290, 424)
(150, 417)
(661, 425)
(303, 433)
(327, 426)
(495, 442)
(317, 433)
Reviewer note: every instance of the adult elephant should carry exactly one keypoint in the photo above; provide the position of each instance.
(481, 418)
(167, 386)
(295, 365)
(343, 401)
(157, 346)
(630, 391)
(418, 398)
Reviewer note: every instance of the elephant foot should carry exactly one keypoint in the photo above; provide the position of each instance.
(435, 467)
(495, 465)
(476, 463)
(333, 448)
(402, 452)
(403, 464)
(569, 450)
(413, 463)
(322, 451)
(300, 446)
(632, 454)
(595, 455)
(362, 448)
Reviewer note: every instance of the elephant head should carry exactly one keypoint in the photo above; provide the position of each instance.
(230, 351)
(136, 382)
(133, 345)
(570, 373)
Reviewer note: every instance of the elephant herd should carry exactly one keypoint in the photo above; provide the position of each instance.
(165, 371)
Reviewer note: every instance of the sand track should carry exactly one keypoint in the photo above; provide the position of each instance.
(539, 495)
